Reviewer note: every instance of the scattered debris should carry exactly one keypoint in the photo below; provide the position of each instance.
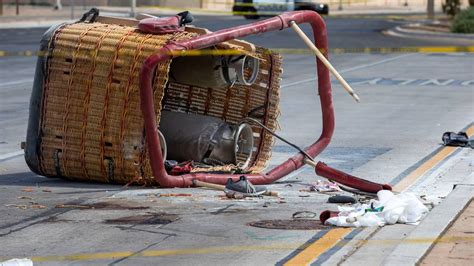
(19, 206)
(388, 209)
(342, 199)
(296, 224)
(359, 192)
(325, 186)
(38, 206)
(431, 201)
(28, 189)
(46, 190)
(182, 168)
(271, 193)
(25, 197)
(266, 204)
(34, 205)
(174, 195)
(459, 139)
(304, 215)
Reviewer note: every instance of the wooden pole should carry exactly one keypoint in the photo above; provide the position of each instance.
(323, 59)
(1, 7)
(17, 7)
(310, 162)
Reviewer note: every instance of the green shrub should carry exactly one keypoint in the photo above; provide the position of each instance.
(451, 7)
(464, 21)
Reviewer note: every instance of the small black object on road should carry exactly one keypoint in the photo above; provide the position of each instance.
(459, 139)
(342, 199)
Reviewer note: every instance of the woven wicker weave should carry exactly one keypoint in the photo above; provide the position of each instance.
(91, 124)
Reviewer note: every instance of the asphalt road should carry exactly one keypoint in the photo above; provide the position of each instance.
(408, 101)
(342, 32)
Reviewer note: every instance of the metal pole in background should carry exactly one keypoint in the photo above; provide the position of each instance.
(1, 7)
(430, 9)
(58, 6)
(71, 3)
(133, 8)
(340, 5)
(17, 7)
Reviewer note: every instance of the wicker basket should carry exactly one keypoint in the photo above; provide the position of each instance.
(85, 119)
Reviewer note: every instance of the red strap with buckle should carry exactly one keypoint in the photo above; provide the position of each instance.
(160, 25)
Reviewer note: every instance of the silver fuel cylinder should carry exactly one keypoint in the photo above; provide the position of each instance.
(215, 71)
(198, 137)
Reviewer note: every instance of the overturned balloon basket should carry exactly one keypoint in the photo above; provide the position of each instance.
(156, 101)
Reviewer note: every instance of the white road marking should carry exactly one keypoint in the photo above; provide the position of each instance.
(347, 70)
(10, 155)
(283, 86)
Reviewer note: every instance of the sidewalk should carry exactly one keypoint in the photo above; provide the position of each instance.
(455, 246)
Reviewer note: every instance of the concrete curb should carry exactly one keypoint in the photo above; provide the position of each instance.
(46, 23)
(32, 24)
(408, 31)
(412, 250)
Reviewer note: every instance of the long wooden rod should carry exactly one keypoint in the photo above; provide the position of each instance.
(323, 59)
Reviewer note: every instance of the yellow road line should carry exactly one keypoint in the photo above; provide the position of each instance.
(288, 51)
(470, 131)
(162, 253)
(318, 247)
(86, 256)
(325, 243)
(426, 166)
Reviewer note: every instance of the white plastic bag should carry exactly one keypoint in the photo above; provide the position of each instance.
(388, 209)
(401, 208)
(17, 262)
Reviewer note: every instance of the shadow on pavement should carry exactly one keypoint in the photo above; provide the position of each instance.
(30, 179)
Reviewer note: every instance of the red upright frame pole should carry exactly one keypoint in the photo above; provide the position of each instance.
(272, 24)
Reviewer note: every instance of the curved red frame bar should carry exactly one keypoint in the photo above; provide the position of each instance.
(172, 50)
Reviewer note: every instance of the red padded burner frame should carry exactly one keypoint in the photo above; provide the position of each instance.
(204, 41)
